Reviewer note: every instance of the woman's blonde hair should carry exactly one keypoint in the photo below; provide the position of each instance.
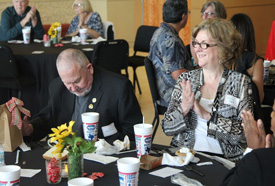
(227, 38)
(86, 5)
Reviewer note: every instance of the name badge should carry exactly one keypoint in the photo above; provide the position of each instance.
(109, 130)
(231, 100)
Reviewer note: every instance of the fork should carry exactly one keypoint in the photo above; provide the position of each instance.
(189, 168)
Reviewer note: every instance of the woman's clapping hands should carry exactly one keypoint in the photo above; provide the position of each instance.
(188, 97)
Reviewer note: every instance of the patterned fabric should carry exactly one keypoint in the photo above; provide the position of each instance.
(225, 122)
(168, 54)
(15, 106)
(12, 29)
(94, 23)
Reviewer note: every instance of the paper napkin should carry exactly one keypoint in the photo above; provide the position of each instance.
(177, 160)
(28, 173)
(99, 158)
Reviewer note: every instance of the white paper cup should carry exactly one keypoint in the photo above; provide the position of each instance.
(128, 171)
(83, 35)
(90, 125)
(26, 31)
(143, 136)
(267, 64)
(81, 181)
(10, 175)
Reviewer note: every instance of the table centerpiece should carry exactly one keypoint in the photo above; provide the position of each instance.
(55, 32)
(76, 147)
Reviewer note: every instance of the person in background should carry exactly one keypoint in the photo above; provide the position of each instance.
(16, 17)
(85, 18)
(213, 9)
(167, 51)
(82, 88)
(205, 110)
(249, 63)
(257, 166)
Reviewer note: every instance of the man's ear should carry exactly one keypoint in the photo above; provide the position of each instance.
(90, 68)
(183, 16)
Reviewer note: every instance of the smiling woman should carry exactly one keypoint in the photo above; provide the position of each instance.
(206, 104)
(85, 18)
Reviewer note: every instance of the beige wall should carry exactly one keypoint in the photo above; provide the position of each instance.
(126, 15)
(260, 11)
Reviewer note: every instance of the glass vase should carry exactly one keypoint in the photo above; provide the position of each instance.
(55, 40)
(75, 166)
(53, 170)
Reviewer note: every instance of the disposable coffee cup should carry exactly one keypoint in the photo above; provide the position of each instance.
(83, 35)
(10, 175)
(143, 137)
(128, 171)
(266, 69)
(26, 31)
(90, 125)
(81, 181)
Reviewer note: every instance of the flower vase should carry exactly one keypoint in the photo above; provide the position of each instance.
(55, 40)
(75, 166)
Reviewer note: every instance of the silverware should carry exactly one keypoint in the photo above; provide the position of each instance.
(189, 168)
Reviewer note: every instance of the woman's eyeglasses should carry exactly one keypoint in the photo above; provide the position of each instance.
(78, 5)
(207, 13)
(202, 45)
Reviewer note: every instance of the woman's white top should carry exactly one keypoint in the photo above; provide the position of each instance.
(202, 141)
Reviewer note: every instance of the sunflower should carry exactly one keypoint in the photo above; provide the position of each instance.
(59, 148)
(62, 131)
(52, 31)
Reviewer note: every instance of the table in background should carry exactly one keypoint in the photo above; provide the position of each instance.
(42, 67)
(213, 174)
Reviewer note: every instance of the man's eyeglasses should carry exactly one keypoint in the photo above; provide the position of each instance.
(207, 13)
(202, 45)
(78, 5)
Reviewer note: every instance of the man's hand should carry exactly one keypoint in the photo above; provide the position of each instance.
(254, 131)
(27, 129)
(31, 15)
(269, 141)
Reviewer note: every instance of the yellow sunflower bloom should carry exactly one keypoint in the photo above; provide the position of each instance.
(56, 24)
(58, 149)
(62, 131)
(52, 30)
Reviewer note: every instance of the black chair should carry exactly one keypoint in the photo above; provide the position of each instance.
(159, 110)
(142, 44)
(9, 76)
(112, 55)
(108, 30)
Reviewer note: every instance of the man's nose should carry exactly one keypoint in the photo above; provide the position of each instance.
(73, 88)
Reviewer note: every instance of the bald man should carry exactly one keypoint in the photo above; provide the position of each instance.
(16, 17)
(83, 88)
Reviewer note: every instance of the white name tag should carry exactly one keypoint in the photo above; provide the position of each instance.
(231, 100)
(109, 130)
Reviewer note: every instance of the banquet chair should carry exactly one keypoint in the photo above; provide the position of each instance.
(108, 30)
(9, 76)
(112, 55)
(142, 44)
(159, 110)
